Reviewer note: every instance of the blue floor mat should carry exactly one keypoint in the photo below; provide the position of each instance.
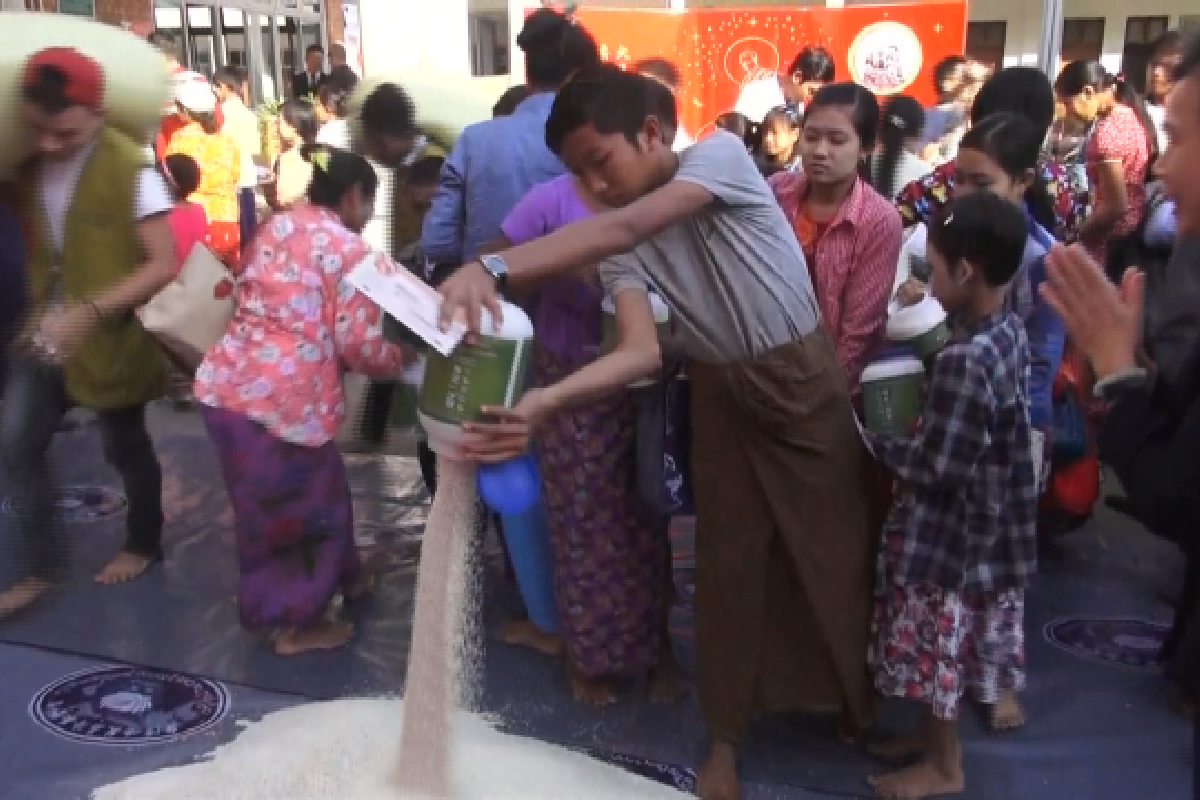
(1100, 723)
(38, 765)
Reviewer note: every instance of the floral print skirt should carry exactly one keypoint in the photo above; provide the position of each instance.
(294, 522)
(611, 556)
(932, 644)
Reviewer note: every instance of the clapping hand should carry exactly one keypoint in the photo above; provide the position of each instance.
(1104, 321)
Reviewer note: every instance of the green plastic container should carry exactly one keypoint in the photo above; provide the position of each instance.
(922, 327)
(489, 371)
(891, 394)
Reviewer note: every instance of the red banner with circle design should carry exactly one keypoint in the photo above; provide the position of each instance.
(723, 52)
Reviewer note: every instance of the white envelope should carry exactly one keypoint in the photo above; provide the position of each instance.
(403, 295)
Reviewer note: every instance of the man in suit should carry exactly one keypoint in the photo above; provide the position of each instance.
(310, 80)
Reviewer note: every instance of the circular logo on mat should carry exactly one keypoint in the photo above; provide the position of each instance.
(129, 706)
(79, 504)
(1124, 642)
(886, 57)
(679, 778)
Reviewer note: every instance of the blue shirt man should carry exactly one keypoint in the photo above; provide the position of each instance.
(493, 164)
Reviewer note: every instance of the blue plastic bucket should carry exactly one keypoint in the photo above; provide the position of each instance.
(528, 542)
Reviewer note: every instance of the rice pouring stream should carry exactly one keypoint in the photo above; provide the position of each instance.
(488, 371)
(433, 686)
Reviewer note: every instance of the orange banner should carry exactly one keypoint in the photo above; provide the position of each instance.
(722, 52)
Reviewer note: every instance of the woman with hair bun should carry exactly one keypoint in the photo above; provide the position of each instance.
(331, 110)
(298, 127)
(1122, 145)
(271, 396)
(895, 163)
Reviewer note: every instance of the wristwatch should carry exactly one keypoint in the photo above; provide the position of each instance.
(497, 267)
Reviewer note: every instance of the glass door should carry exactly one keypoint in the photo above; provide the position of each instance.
(266, 38)
(168, 17)
(200, 39)
(291, 49)
(262, 62)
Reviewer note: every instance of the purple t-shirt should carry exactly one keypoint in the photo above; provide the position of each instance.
(566, 312)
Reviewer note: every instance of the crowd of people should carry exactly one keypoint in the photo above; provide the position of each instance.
(833, 563)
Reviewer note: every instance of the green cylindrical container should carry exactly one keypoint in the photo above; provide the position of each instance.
(922, 326)
(891, 394)
(489, 371)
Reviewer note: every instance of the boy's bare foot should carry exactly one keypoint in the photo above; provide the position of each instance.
(668, 682)
(523, 633)
(1006, 713)
(125, 567)
(598, 692)
(717, 778)
(923, 779)
(21, 595)
(322, 636)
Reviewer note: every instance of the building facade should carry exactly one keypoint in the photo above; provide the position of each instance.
(265, 37)
(268, 37)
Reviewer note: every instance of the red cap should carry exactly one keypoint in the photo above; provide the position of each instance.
(85, 78)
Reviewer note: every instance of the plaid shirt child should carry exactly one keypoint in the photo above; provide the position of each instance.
(964, 516)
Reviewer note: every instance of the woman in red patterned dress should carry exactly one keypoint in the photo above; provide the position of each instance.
(1118, 153)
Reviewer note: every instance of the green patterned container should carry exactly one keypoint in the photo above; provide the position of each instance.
(489, 371)
(891, 395)
(922, 327)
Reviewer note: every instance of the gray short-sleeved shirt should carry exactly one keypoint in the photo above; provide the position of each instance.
(733, 275)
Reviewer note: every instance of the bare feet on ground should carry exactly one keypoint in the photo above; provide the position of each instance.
(323, 636)
(1006, 713)
(523, 633)
(598, 692)
(21, 595)
(717, 778)
(125, 567)
(924, 779)
(668, 682)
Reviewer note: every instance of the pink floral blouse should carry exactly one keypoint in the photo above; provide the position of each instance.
(297, 328)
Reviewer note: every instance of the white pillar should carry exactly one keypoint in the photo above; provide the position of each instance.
(1050, 44)
(516, 58)
(415, 34)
